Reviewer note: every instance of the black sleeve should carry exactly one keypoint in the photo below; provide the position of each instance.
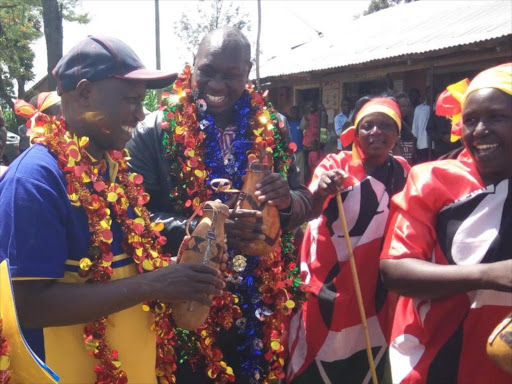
(301, 196)
(148, 159)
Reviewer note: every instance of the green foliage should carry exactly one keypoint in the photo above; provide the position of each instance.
(20, 25)
(10, 121)
(151, 100)
(219, 13)
(69, 12)
(377, 5)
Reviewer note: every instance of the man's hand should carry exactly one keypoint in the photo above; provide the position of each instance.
(331, 182)
(184, 282)
(223, 261)
(275, 190)
(240, 230)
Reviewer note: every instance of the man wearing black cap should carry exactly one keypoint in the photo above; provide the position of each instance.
(69, 216)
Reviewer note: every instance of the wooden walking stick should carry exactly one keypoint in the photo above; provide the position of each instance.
(357, 288)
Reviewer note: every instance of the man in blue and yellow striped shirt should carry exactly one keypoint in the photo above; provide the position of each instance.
(102, 84)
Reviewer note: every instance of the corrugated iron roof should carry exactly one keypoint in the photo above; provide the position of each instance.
(406, 29)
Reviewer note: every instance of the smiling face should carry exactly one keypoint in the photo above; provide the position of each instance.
(221, 71)
(487, 132)
(377, 134)
(106, 111)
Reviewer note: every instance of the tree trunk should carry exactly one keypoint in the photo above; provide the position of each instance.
(21, 88)
(52, 18)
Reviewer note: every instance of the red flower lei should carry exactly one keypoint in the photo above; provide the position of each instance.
(142, 241)
(281, 284)
(5, 362)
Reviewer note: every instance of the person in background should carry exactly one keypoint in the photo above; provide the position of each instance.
(296, 136)
(414, 97)
(46, 102)
(310, 126)
(447, 252)
(438, 129)
(294, 124)
(419, 130)
(341, 118)
(405, 145)
(326, 337)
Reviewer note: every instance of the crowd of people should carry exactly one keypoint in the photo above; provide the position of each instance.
(94, 212)
(424, 136)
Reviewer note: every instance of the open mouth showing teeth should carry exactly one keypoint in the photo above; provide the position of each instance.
(128, 129)
(215, 99)
(484, 147)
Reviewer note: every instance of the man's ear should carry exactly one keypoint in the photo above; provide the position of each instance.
(83, 92)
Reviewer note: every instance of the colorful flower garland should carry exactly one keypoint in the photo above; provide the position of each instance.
(5, 360)
(102, 199)
(267, 288)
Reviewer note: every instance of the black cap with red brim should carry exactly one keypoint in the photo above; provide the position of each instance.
(98, 58)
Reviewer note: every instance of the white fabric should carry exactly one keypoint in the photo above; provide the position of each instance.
(419, 125)
(339, 121)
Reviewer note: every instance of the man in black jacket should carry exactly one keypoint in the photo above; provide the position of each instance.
(220, 74)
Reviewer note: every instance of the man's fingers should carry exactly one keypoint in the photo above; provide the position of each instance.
(204, 279)
(246, 226)
(202, 299)
(273, 195)
(242, 235)
(278, 184)
(271, 178)
(203, 269)
(279, 201)
(208, 289)
(241, 213)
(235, 243)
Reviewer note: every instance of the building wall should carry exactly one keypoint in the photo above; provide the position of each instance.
(438, 68)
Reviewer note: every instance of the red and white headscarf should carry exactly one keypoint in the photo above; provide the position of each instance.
(451, 102)
(378, 105)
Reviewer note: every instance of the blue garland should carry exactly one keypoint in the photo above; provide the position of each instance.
(251, 349)
(253, 363)
(242, 143)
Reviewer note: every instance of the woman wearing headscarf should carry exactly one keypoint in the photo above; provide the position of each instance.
(448, 248)
(326, 338)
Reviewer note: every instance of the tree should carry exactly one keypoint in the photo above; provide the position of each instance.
(19, 26)
(377, 5)
(220, 13)
(53, 12)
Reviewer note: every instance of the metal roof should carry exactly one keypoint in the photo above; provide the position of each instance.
(406, 29)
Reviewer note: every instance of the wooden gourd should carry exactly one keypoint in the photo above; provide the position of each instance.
(499, 344)
(257, 170)
(205, 246)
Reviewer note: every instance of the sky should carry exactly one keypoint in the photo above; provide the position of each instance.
(285, 23)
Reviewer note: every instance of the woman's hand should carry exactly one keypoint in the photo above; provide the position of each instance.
(497, 276)
(330, 183)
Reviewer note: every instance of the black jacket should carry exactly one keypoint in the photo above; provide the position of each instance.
(148, 159)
